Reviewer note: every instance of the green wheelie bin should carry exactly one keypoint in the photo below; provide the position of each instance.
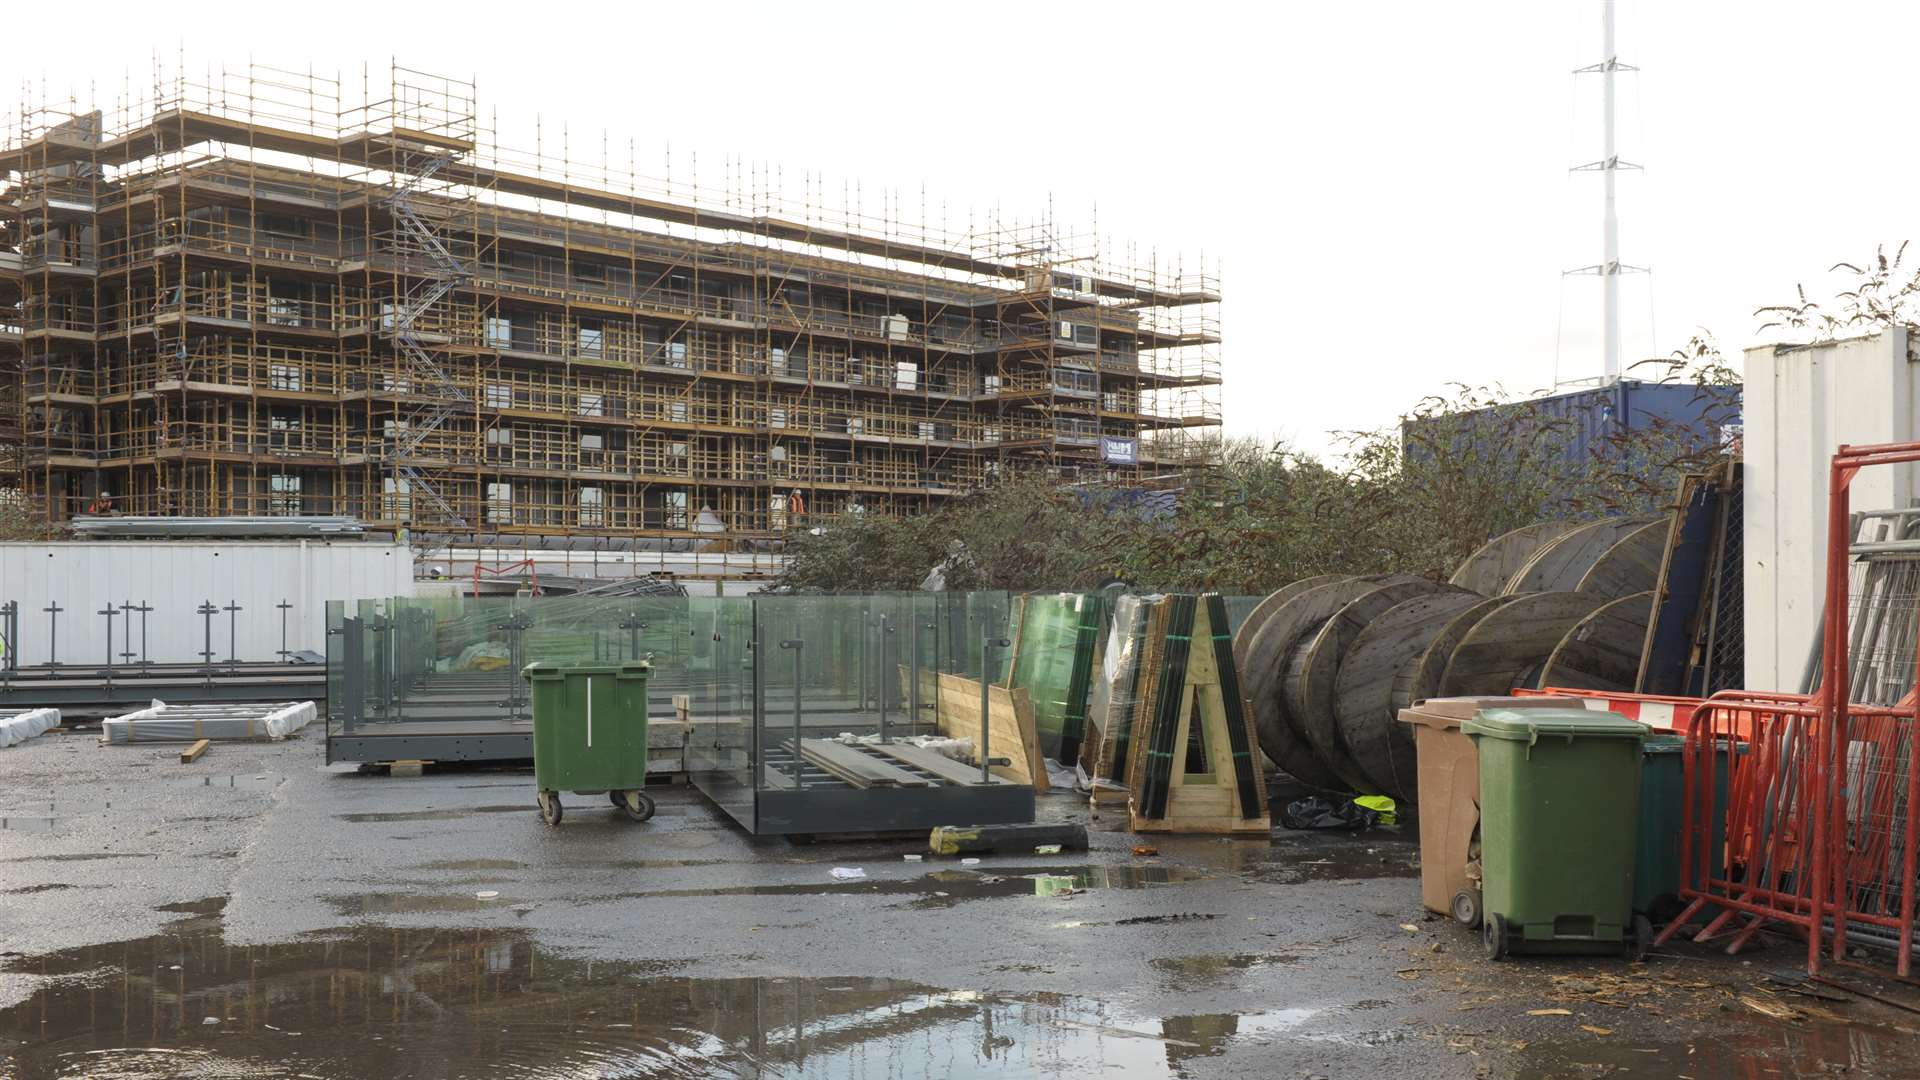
(1658, 874)
(590, 734)
(1559, 812)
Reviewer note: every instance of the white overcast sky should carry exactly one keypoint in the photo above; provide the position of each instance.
(1384, 184)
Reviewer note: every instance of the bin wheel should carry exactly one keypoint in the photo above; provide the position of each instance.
(1493, 936)
(617, 798)
(1640, 939)
(637, 804)
(550, 807)
(1466, 908)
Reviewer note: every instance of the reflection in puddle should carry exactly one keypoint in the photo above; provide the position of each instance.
(942, 888)
(440, 815)
(388, 1002)
(1291, 858)
(1193, 972)
(1124, 876)
(412, 903)
(1357, 861)
(473, 864)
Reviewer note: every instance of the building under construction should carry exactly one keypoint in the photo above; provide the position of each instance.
(242, 296)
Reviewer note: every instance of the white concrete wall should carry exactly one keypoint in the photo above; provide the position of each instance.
(176, 577)
(1801, 404)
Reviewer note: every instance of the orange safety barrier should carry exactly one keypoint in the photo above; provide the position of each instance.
(1821, 832)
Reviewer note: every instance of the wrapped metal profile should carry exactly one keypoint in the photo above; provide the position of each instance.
(161, 722)
(18, 727)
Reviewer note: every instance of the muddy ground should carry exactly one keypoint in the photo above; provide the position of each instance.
(258, 915)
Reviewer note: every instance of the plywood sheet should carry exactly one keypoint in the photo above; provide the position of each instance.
(933, 761)
(1011, 732)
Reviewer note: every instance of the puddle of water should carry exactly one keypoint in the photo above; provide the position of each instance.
(939, 889)
(473, 864)
(1192, 972)
(1357, 858)
(212, 905)
(1123, 876)
(945, 888)
(1291, 858)
(413, 903)
(442, 815)
(379, 1003)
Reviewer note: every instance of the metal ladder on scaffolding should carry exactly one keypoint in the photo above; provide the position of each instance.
(444, 273)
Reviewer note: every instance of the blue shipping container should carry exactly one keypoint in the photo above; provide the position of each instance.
(1707, 416)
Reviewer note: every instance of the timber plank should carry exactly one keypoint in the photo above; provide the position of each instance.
(935, 762)
(848, 762)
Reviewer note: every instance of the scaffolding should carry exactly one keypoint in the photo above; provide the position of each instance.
(244, 293)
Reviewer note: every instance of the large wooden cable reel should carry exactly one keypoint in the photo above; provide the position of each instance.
(1269, 640)
(1508, 647)
(1371, 668)
(1314, 665)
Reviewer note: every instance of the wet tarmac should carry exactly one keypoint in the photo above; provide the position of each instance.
(271, 918)
(385, 1002)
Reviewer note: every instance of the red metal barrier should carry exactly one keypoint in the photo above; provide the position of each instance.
(1823, 794)
(1755, 864)
(1660, 711)
(1866, 772)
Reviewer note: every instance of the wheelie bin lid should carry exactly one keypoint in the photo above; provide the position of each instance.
(1532, 725)
(1448, 713)
(547, 669)
(1663, 743)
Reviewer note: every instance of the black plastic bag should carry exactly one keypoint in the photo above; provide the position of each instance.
(1317, 812)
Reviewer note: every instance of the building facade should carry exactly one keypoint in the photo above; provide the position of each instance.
(216, 303)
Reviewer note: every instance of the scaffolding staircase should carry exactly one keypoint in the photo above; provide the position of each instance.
(418, 235)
